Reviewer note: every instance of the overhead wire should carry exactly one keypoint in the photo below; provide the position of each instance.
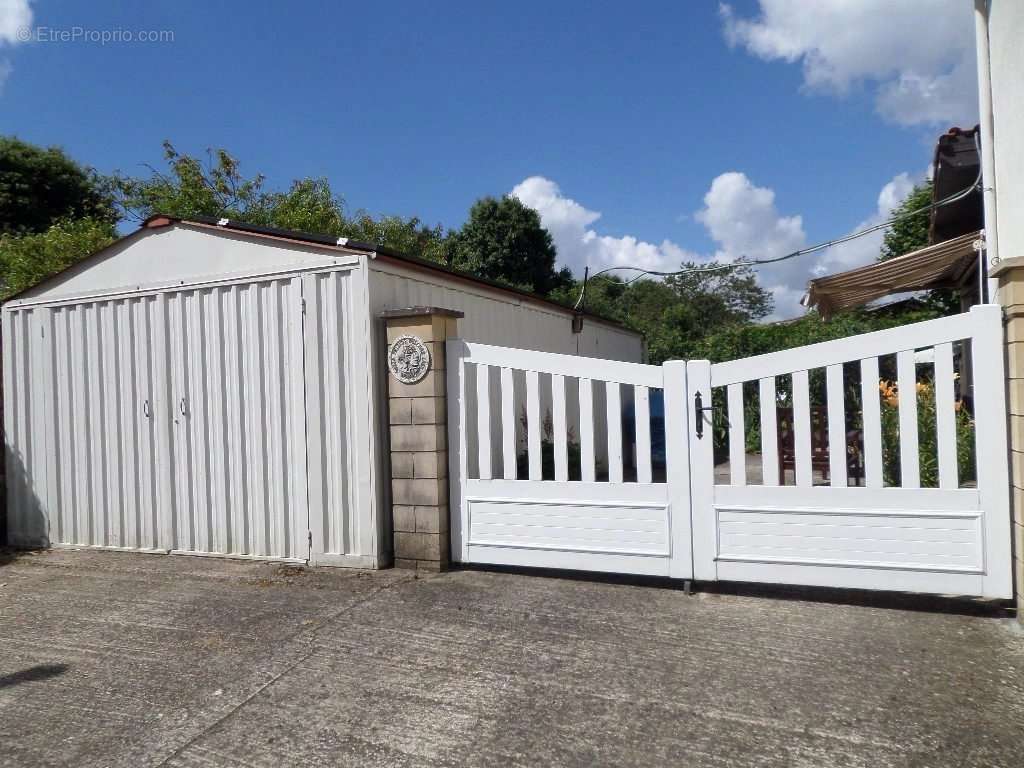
(643, 272)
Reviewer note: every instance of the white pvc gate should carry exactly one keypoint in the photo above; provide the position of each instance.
(598, 521)
(556, 461)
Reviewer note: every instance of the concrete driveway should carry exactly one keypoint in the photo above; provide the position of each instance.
(111, 659)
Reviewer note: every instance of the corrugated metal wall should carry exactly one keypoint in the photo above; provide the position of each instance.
(238, 421)
(177, 421)
(502, 319)
(26, 425)
(100, 442)
(335, 519)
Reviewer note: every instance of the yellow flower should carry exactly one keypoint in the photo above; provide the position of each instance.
(888, 389)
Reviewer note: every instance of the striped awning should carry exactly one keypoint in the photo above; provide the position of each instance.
(943, 265)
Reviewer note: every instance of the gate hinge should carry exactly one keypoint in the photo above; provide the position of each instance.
(302, 304)
(309, 538)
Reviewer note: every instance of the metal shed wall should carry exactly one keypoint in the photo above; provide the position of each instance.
(217, 415)
(497, 317)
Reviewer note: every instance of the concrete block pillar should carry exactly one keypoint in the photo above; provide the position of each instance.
(1010, 276)
(417, 409)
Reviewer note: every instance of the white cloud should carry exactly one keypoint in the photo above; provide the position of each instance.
(15, 18)
(579, 245)
(745, 223)
(15, 24)
(918, 55)
(740, 217)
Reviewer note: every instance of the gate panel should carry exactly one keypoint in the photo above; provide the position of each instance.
(238, 438)
(843, 505)
(581, 484)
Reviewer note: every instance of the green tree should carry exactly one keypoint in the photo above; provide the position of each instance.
(27, 259)
(676, 314)
(217, 187)
(910, 233)
(503, 240)
(39, 187)
(745, 340)
(409, 236)
(190, 187)
(721, 297)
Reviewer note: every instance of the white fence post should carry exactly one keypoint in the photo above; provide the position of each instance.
(702, 470)
(677, 467)
(458, 460)
(991, 444)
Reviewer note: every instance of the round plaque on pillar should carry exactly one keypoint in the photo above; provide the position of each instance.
(409, 359)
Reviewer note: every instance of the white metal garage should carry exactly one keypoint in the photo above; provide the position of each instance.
(211, 388)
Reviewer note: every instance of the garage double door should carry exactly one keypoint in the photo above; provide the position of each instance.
(170, 422)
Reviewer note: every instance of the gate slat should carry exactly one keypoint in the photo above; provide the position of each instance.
(558, 425)
(483, 420)
(910, 469)
(613, 400)
(737, 438)
(508, 425)
(802, 429)
(836, 425)
(872, 419)
(533, 425)
(642, 410)
(586, 430)
(945, 424)
(769, 432)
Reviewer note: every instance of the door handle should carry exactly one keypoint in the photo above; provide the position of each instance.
(145, 409)
(182, 407)
(698, 413)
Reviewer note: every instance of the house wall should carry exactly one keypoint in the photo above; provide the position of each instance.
(1006, 29)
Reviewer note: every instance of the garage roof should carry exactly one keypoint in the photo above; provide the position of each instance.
(355, 245)
(335, 243)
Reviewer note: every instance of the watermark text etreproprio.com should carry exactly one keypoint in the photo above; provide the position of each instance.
(111, 36)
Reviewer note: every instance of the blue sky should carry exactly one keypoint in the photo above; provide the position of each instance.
(648, 131)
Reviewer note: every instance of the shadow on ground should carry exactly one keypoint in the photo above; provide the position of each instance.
(900, 601)
(33, 674)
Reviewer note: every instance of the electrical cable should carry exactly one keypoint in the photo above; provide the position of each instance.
(949, 200)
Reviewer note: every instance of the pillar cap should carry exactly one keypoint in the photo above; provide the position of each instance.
(1005, 265)
(389, 314)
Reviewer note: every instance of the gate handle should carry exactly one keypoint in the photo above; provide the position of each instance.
(145, 408)
(698, 413)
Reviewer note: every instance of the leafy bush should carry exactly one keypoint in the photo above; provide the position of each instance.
(27, 259)
(927, 439)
